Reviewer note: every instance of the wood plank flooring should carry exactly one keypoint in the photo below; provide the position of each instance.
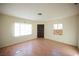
(39, 47)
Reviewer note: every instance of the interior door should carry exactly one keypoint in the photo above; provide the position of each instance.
(40, 30)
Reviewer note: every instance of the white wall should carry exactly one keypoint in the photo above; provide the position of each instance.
(7, 33)
(70, 30)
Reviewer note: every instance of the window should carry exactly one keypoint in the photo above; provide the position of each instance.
(58, 29)
(58, 26)
(21, 29)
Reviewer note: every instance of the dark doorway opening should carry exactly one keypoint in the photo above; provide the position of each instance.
(40, 30)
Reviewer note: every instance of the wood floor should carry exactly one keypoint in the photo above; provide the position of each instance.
(39, 47)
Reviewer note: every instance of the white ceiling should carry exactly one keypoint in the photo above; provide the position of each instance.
(29, 11)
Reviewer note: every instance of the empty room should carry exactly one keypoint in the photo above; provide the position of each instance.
(39, 29)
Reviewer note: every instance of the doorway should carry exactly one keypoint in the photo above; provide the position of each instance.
(40, 30)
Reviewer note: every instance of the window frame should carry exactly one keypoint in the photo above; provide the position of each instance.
(58, 30)
(21, 31)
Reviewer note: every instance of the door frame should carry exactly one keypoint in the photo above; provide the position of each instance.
(39, 31)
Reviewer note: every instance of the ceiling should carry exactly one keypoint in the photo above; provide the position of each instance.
(50, 11)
